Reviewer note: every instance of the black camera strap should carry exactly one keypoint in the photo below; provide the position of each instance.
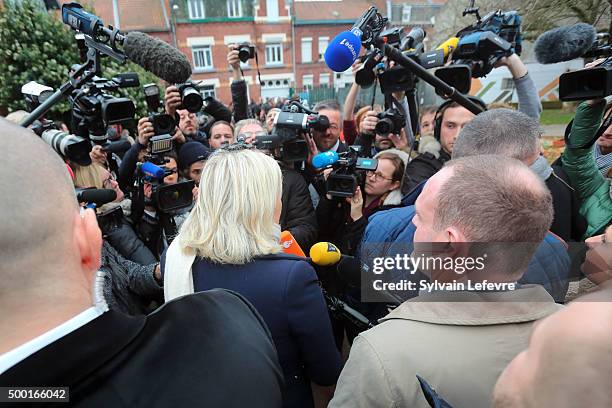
(256, 67)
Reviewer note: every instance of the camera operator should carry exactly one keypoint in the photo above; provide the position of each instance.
(397, 140)
(188, 124)
(191, 161)
(132, 278)
(451, 117)
(148, 225)
(249, 130)
(344, 222)
(297, 212)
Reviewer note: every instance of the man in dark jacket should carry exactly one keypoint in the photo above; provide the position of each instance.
(297, 214)
(512, 133)
(239, 86)
(211, 348)
(452, 117)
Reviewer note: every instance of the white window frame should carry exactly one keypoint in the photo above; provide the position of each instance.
(306, 53)
(324, 83)
(406, 13)
(191, 6)
(307, 81)
(204, 49)
(323, 43)
(234, 8)
(274, 48)
(208, 90)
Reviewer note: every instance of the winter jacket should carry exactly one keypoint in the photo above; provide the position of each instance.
(567, 223)
(459, 341)
(297, 215)
(128, 287)
(579, 164)
(240, 100)
(124, 239)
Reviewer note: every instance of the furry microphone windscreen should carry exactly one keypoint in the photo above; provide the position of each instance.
(564, 43)
(157, 57)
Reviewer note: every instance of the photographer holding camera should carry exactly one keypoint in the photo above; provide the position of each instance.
(240, 102)
(451, 117)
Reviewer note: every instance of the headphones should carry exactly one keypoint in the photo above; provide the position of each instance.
(440, 112)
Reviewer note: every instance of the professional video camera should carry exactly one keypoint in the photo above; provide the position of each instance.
(590, 83)
(166, 198)
(93, 109)
(287, 135)
(348, 172)
(481, 45)
(163, 124)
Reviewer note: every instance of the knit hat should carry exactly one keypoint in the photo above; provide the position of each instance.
(192, 152)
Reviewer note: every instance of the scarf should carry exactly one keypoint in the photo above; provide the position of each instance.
(541, 168)
(178, 280)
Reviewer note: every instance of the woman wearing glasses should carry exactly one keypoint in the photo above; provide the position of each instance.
(343, 221)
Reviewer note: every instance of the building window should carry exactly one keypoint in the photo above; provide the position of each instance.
(406, 13)
(196, 9)
(274, 54)
(324, 80)
(207, 90)
(307, 81)
(323, 41)
(202, 57)
(306, 50)
(234, 8)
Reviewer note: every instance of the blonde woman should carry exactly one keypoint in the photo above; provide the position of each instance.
(231, 240)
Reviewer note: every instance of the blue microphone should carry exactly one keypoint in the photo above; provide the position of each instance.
(152, 172)
(325, 159)
(343, 50)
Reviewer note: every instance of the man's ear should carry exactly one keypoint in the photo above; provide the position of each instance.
(88, 239)
(457, 243)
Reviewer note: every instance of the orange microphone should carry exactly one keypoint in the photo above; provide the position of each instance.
(290, 245)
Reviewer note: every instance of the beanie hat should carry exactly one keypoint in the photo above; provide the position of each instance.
(192, 152)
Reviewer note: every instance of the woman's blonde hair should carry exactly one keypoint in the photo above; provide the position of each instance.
(233, 218)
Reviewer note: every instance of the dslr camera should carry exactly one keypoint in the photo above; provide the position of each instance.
(390, 121)
(246, 52)
(191, 98)
(163, 124)
(287, 135)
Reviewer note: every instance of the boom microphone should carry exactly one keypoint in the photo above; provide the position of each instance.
(564, 43)
(157, 57)
(98, 196)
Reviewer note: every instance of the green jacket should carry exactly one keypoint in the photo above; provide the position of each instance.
(579, 164)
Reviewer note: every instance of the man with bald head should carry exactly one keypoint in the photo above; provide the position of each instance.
(568, 362)
(460, 333)
(57, 330)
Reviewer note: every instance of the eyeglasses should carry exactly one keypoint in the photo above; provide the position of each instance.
(108, 183)
(377, 176)
(246, 135)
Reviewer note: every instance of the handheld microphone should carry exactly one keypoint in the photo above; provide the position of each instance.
(564, 43)
(151, 171)
(342, 51)
(97, 196)
(325, 159)
(449, 46)
(290, 245)
(325, 254)
(413, 39)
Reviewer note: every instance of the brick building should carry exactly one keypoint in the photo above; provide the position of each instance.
(202, 29)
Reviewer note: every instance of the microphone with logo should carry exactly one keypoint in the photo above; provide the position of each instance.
(323, 256)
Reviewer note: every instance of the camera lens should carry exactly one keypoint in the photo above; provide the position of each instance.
(244, 53)
(192, 99)
(384, 127)
(163, 124)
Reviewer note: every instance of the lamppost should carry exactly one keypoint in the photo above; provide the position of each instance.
(173, 9)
